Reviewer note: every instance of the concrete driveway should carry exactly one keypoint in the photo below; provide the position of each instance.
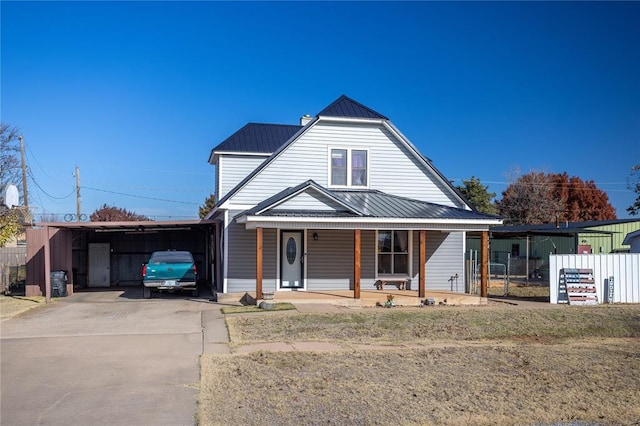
(107, 357)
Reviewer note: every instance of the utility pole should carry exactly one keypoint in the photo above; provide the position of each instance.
(78, 209)
(24, 175)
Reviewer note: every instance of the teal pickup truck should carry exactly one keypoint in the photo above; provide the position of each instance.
(170, 270)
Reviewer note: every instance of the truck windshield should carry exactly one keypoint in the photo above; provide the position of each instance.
(171, 257)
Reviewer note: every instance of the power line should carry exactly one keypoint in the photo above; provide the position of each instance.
(33, 179)
(140, 196)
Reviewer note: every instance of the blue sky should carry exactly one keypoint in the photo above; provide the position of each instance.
(137, 93)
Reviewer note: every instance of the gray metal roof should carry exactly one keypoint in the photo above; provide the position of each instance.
(379, 204)
(258, 137)
(267, 138)
(366, 203)
(344, 106)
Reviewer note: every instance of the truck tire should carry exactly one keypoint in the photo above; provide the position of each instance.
(196, 292)
(146, 292)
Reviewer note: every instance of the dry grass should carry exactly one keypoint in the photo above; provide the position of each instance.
(453, 366)
(14, 305)
(404, 325)
(466, 385)
(522, 291)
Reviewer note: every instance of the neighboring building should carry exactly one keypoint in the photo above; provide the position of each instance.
(340, 201)
(537, 242)
(633, 241)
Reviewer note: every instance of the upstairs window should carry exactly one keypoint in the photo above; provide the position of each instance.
(349, 167)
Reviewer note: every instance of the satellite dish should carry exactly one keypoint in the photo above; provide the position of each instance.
(11, 196)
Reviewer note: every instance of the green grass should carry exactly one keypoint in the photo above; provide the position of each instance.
(283, 306)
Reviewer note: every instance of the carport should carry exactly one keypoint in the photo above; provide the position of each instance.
(102, 255)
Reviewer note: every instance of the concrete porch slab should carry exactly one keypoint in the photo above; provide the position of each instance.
(368, 298)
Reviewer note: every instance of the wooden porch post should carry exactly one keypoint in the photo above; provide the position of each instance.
(258, 263)
(356, 264)
(423, 260)
(484, 263)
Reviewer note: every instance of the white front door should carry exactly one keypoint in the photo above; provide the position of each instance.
(99, 262)
(291, 260)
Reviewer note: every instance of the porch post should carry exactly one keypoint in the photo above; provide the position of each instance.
(258, 263)
(484, 263)
(47, 265)
(422, 261)
(356, 264)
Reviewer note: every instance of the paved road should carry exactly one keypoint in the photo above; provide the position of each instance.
(107, 357)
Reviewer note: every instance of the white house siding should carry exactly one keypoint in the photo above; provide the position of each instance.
(445, 259)
(392, 168)
(330, 259)
(623, 267)
(231, 169)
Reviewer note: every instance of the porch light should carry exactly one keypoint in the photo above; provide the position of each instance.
(315, 236)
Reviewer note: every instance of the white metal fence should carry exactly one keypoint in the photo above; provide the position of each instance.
(619, 273)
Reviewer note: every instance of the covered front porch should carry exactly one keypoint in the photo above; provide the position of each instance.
(405, 290)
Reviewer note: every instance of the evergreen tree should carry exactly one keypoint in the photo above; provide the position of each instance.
(478, 195)
(208, 205)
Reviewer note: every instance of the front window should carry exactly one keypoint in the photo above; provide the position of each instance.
(393, 252)
(349, 167)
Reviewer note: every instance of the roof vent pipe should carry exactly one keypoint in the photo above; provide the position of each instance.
(305, 119)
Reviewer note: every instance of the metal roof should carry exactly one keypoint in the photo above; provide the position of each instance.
(366, 203)
(291, 191)
(258, 138)
(344, 106)
(561, 227)
(267, 138)
(379, 204)
(127, 226)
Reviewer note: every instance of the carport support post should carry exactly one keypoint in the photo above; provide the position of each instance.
(422, 261)
(484, 263)
(258, 264)
(47, 265)
(356, 264)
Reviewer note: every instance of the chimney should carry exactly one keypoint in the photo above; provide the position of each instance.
(305, 119)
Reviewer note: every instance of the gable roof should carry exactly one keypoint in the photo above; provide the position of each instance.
(344, 106)
(343, 102)
(293, 191)
(267, 138)
(257, 138)
(363, 203)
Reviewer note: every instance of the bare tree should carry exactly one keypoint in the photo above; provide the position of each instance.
(10, 170)
(529, 199)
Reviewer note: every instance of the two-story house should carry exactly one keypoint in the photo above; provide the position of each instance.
(340, 201)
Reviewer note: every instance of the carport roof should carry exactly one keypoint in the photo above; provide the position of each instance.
(127, 226)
